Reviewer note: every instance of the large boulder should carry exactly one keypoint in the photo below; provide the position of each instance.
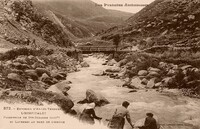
(122, 72)
(175, 67)
(122, 62)
(33, 58)
(36, 85)
(85, 55)
(16, 64)
(151, 69)
(101, 73)
(113, 69)
(41, 71)
(186, 67)
(8, 63)
(63, 74)
(92, 96)
(20, 66)
(167, 81)
(171, 72)
(64, 102)
(4, 92)
(60, 88)
(58, 76)
(84, 64)
(157, 85)
(109, 57)
(151, 83)
(142, 73)
(37, 65)
(153, 74)
(136, 83)
(32, 74)
(21, 59)
(144, 81)
(14, 77)
(129, 64)
(113, 76)
(111, 62)
(191, 17)
(17, 71)
(46, 79)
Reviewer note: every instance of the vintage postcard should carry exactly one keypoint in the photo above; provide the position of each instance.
(99, 64)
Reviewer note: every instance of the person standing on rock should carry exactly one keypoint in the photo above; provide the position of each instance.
(118, 119)
(88, 114)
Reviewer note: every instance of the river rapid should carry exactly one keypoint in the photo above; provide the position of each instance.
(169, 107)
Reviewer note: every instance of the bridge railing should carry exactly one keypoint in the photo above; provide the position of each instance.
(92, 48)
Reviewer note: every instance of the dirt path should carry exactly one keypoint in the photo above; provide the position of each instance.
(5, 45)
(168, 107)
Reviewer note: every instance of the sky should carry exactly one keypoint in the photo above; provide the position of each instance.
(134, 5)
(117, 4)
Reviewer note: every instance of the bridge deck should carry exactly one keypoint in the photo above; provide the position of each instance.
(100, 49)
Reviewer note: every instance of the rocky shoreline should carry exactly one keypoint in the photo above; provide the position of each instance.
(154, 74)
(35, 79)
(27, 74)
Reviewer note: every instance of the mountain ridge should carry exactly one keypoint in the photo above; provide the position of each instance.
(82, 16)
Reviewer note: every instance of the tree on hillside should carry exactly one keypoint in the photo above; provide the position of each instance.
(116, 41)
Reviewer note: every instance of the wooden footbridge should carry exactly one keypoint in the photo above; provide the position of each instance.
(104, 49)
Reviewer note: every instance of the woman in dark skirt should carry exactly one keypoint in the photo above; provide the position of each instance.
(88, 115)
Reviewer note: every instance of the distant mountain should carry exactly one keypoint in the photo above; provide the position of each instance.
(79, 9)
(163, 22)
(81, 18)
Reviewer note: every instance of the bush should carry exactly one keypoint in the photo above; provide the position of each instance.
(143, 60)
(14, 53)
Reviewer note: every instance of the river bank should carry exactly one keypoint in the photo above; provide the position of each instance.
(169, 106)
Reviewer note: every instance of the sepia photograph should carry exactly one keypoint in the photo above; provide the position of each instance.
(99, 64)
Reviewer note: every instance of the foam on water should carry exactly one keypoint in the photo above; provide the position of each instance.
(56, 115)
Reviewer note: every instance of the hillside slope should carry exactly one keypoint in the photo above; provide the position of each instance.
(163, 22)
(22, 24)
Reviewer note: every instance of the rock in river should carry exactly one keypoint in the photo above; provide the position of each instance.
(84, 64)
(98, 99)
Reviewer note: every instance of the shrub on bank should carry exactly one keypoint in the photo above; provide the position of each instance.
(14, 53)
(143, 61)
